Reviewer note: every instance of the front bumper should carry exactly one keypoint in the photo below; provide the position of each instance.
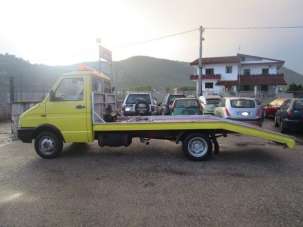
(26, 135)
(294, 125)
(257, 122)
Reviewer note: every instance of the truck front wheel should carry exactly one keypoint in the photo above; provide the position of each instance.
(48, 145)
(197, 147)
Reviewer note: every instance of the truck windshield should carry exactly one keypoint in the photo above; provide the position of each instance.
(70, 89)
(242, 103)
(134, 98)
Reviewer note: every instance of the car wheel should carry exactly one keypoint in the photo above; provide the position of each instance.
(48, 145)
(283, 129)
(276, 122)
(197, 147)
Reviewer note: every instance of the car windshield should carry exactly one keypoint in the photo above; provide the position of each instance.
(172, 98)
(242, 103)
(298, 104)
(213, 102)
(133, 98)
(277, 102)
(186, 103)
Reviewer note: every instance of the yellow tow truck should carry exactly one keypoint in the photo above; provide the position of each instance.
(78, 109)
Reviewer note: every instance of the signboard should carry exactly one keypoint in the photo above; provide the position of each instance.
(105, 54)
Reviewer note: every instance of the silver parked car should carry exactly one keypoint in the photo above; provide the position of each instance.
(240, 109)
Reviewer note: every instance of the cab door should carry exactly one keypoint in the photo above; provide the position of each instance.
(67, 109)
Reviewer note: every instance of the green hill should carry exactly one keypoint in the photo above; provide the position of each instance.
(128, 73)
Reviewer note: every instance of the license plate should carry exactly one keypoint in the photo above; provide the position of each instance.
(244, 114)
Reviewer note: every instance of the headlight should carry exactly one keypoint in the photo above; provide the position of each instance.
(128, 109)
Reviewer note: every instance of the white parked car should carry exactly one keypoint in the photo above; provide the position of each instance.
(240, 109)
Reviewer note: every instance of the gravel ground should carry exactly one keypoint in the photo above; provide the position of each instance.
(5, 133)
(251, 183)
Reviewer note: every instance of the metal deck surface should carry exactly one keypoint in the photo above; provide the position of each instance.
(192, 122)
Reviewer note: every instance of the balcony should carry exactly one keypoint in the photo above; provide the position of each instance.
(206, 77)
(261, 79)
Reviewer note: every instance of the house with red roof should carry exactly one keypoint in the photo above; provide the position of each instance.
(242, 74)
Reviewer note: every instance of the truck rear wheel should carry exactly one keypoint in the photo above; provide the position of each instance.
(48, 145)
(197, 147)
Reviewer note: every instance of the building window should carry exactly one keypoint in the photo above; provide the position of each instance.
(246, 88)
(246, 72)
(229, 69)
(209, 85)
(209, 71)
(264, 87)
(265, 71)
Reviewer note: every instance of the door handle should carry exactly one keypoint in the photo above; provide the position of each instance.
(80, 106)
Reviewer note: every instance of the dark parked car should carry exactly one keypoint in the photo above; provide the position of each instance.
(167, 103)
(271, 108)
(289, 116)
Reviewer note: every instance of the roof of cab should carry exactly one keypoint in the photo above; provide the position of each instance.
(87, 73)
(86, 70)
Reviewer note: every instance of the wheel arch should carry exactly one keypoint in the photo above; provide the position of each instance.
(48, 127)
(182, 135)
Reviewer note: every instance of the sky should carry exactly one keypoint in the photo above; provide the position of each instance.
(59, 32)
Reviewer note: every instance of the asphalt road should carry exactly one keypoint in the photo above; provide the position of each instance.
(250, 183)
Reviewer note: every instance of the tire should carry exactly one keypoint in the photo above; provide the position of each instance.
(276, 122)
(142, 108)
(197, 147)
(80, 144)
(48, 145)
(283, 129)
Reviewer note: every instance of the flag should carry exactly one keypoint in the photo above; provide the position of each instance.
(105, 54)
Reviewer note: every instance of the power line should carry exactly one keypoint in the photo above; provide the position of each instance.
(159, 38)
(210, 28)
(255, 28)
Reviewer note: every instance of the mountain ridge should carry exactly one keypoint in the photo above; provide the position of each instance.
(134, 71)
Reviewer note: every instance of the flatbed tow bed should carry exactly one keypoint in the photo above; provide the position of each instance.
(193, 123)
(71, 113)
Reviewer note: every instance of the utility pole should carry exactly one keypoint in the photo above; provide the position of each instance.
(99, 53)
(200, 87)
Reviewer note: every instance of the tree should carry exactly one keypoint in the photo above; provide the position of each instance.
(295, 87)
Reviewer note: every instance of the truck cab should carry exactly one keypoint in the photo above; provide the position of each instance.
(65, 111)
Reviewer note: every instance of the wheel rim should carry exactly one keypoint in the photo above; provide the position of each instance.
(47, 145)
(197, 147)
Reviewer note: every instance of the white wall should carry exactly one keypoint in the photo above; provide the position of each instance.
(257, 69)
(221, 69)
(215, 90)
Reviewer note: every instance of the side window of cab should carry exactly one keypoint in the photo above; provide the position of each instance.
(69, 89)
